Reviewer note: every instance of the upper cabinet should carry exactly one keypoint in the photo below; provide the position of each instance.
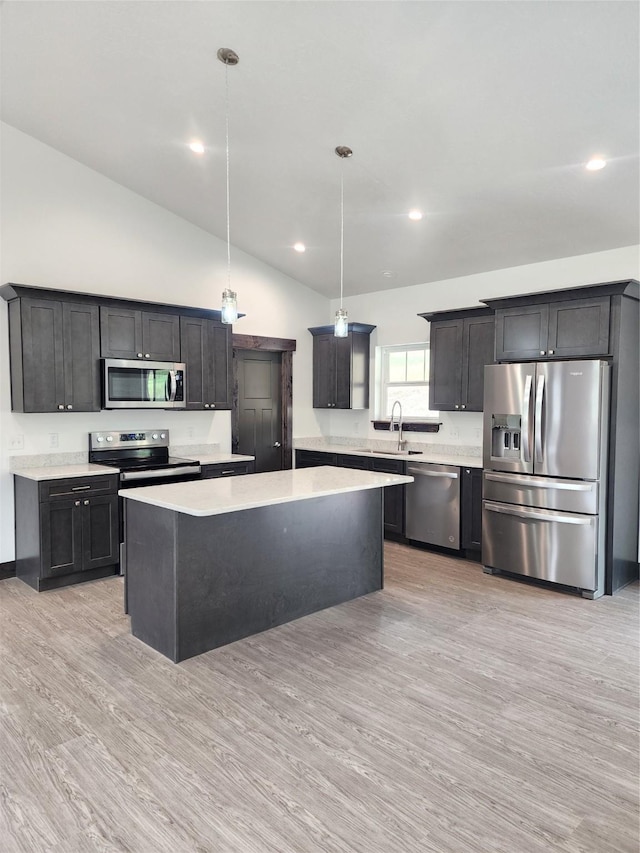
(57, 338)
(555, 324)
(461, 343)
(132, 334)
(206, 351)
(341, 367)
(55, 351)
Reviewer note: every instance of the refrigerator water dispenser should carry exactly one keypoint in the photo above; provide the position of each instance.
(505, 436)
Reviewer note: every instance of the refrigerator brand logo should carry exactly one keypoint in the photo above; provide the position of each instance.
(575, 373)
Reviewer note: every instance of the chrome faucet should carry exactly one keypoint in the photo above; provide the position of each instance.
(399, 422)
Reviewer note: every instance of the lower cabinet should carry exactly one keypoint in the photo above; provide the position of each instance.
(313, 458)
(471, 509)
(225, 469)
(66, 530)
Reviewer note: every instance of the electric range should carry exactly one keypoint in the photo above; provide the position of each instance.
(142, 457)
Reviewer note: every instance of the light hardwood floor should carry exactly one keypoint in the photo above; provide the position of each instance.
(453, 712)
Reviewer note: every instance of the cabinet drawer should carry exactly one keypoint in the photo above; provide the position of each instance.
(388, 466)
(225, 469)
(312, 458)
(51, 490)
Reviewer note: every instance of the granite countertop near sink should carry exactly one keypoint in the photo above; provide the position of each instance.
(435, 454)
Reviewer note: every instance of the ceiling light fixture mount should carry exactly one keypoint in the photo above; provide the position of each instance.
(229, 297)
(341, 326)
(595, 164)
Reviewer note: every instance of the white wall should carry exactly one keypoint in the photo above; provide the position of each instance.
(395, 314)
(65, 226)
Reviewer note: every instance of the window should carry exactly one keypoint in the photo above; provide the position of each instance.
(404, 376)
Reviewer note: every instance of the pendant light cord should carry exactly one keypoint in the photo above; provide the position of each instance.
(226, 94)
(341, 228)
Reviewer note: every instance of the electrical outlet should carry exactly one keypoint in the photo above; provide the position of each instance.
(53, 439)
(16, 442)
(356, 427)
(189, 432)
(478, 434)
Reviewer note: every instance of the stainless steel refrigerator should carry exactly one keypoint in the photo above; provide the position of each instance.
(544, 482)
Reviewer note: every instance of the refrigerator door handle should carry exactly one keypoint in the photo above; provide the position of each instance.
(539, 483)
(504, 509)
(526, 427)
(538, 421)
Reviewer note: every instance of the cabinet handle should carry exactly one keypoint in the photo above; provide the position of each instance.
(69, 406)
(551, 351)
(463, 406)
(456, 406)
(76, 503)
(80, 488)
(60, 405)
(146, 355)
(543, 352)
(86, 503)
(139, 355)
(212, 406)
(206, 405)
(230, 471)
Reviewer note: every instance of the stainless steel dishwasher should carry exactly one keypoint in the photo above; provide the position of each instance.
(432, 504)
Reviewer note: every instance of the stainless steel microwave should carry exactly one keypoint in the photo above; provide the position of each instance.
(131, 384)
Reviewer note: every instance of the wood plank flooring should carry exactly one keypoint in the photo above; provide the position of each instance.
(453, 712)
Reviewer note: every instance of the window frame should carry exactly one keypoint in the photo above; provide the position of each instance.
(383, 382)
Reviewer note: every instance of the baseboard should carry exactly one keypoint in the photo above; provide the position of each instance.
(7, 570)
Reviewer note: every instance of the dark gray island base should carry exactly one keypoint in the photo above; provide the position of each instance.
(196, 582)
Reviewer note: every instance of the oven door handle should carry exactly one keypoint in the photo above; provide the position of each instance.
(129, 476)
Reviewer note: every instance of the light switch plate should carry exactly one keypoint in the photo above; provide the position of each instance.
(16, 442)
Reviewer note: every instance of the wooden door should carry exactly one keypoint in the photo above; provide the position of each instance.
(579, 327)
(219, 365)
(259, 408)
(120, 332)
(471, 509)
(100, 529)
(160, 336)
(61, 537)
(324, 371)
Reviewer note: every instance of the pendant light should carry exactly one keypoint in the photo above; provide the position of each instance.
(229, 297)
(341, 327)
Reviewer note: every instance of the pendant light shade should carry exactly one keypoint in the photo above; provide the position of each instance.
(229, 306)
(341, 325)
(229, 297)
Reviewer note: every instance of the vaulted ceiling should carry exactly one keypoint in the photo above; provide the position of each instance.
(480, 114)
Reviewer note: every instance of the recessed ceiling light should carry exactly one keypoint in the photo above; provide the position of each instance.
(387, 273)
(300, 247)
(595, 164)
(416, 215)
(196, 147)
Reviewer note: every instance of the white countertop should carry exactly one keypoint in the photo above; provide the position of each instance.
(60, 472)
(231, 494)
(426, 456)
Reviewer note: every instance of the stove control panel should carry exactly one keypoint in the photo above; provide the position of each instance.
(146, 438)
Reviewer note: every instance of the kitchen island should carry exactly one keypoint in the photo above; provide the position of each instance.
(212, 561)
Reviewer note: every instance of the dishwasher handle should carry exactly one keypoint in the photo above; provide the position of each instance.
(446, 475)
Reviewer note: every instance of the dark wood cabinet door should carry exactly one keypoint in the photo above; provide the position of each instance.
(81, 331)
(61, 537)
(194, 350)
(313, 458)
(478, 342)
(324, 371)
(471, 509)
(579, 327)
(100, 531)
(219, 345)
(522, 333)
(445, 365)
(393, 496)
(43, 377)
(361, 463)
(120, 332)
(342, 353)
(160, 336)
(205, 347)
